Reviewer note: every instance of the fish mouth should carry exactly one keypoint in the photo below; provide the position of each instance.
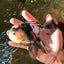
(7, 32)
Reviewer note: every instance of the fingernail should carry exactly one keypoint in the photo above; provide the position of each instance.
(23, 12)
(11, 20)
(48, 18)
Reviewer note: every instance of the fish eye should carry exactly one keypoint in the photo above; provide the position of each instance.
(14, 33)
(13, 28)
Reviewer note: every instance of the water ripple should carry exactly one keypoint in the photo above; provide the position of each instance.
(5, 50)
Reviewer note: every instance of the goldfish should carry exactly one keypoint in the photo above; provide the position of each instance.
(26, 35)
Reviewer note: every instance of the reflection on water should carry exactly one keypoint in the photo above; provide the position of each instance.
(4, 49)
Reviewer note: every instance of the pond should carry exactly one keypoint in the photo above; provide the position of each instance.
(12, 9)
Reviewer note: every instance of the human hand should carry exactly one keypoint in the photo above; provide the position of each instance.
(56, 45)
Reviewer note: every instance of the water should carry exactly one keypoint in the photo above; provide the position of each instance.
(12, 8)
(4, 48)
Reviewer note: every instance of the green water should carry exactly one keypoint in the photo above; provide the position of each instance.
(12, 8)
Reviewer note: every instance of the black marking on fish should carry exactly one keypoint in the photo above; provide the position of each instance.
(50, 25)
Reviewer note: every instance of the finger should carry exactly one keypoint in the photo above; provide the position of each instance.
(28, 16)
(48, 18)
(11, 43)
(15, 21)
